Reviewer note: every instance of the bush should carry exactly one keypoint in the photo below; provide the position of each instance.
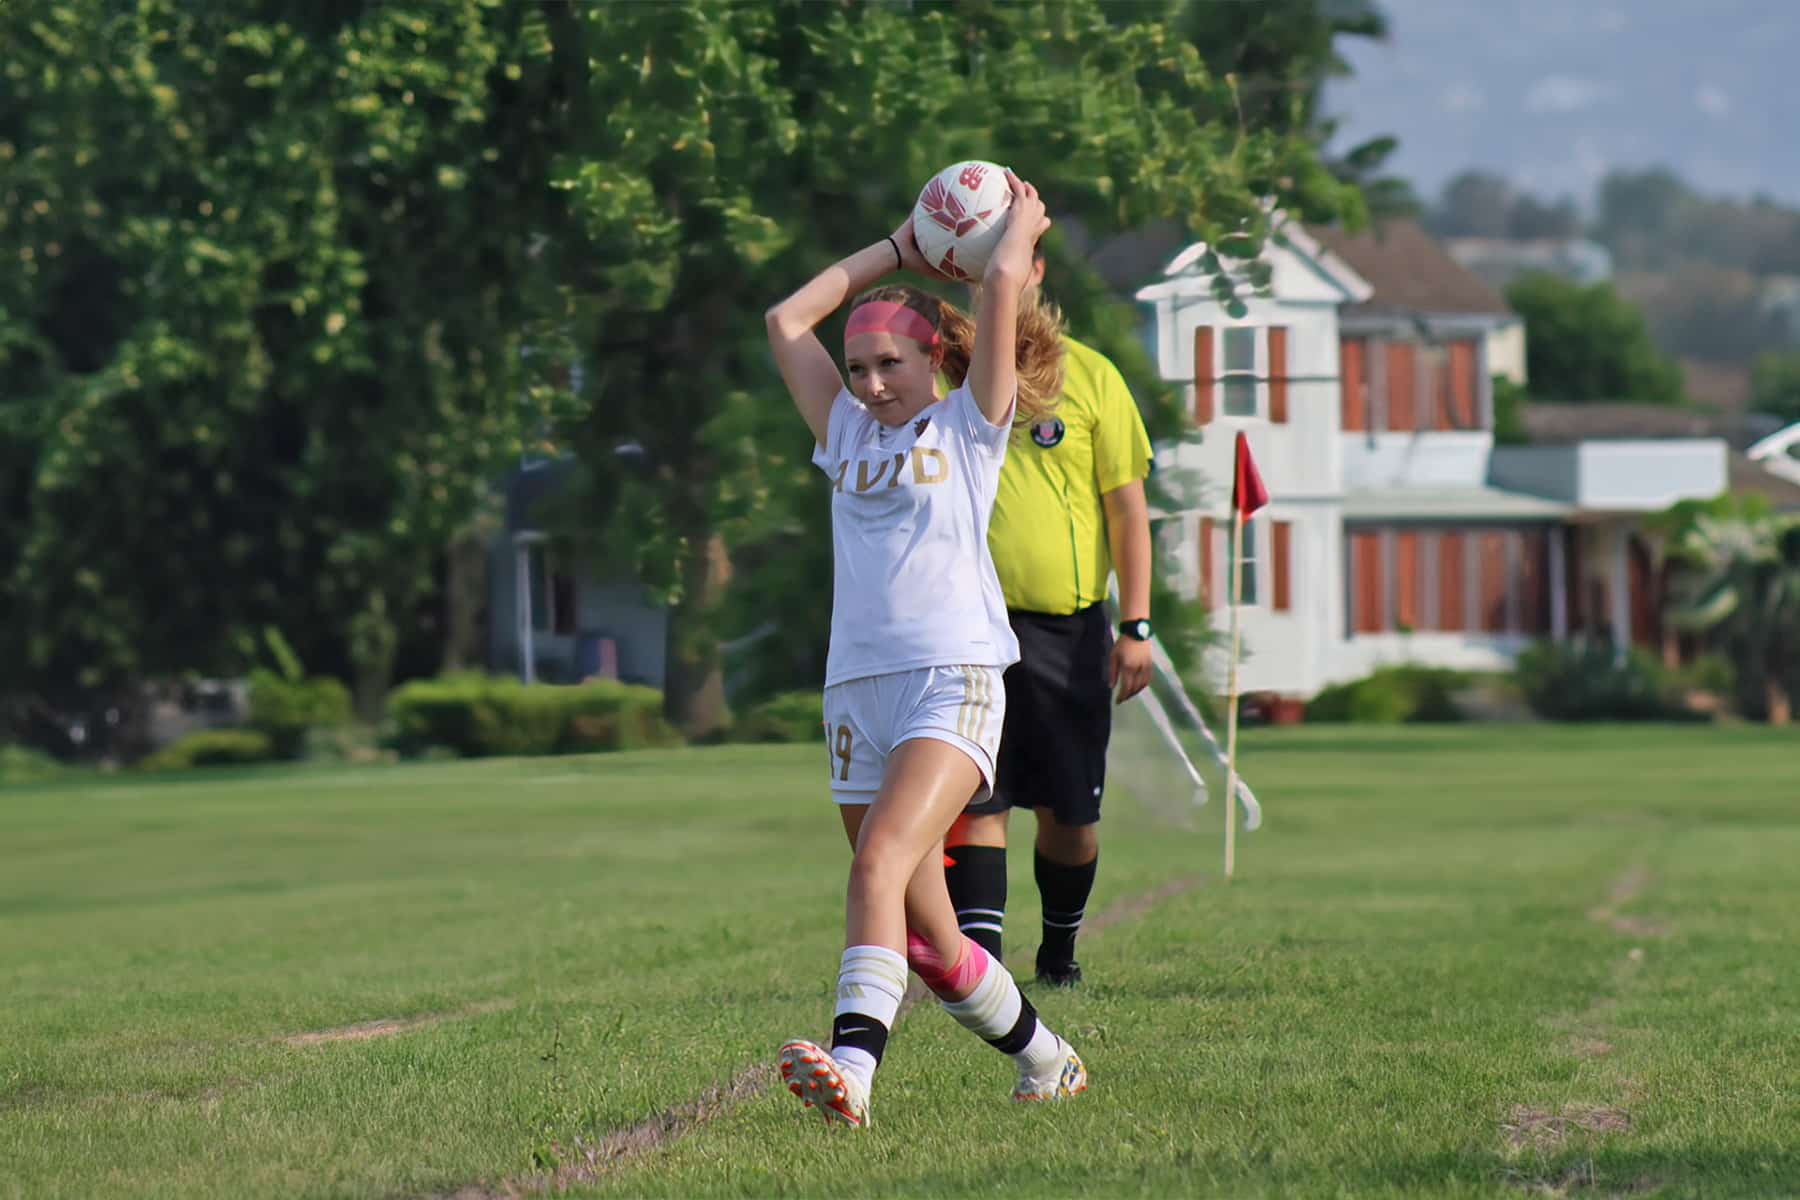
(352, 743)
(1391, 696)
(1708, 673)
(285, 709)
(788, 717)
(478, 715)
(20, 765)
(1588, 681)
(212, 748)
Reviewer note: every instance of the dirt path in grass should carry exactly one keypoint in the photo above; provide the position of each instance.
(1548, 1151)
(363, 1031)
(590, 1162)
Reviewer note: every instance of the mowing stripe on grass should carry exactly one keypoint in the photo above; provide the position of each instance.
(362, 1031)
(1535, 1136)
(623, 1147)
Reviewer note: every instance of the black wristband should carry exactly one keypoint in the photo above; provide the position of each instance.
(898, 261)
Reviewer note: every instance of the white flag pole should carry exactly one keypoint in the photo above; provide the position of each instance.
(1231, 700)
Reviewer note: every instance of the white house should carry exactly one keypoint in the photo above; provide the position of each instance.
(1397, 531)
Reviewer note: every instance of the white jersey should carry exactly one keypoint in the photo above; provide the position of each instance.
(913, 584)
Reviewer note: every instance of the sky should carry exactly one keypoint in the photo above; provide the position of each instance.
(1553, 95)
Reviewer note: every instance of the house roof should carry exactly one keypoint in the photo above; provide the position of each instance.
(1450, 503)
(1552, 424)
(1411, 273)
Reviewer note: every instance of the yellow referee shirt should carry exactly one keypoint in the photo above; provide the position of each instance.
(1048, 533)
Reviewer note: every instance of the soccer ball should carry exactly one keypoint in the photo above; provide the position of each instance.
(960, 216)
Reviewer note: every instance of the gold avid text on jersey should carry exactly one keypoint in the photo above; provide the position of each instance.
(928, 467)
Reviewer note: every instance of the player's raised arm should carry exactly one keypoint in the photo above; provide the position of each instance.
(993, 373)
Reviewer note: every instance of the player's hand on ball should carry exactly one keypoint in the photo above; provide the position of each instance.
(910, 258)
(1026, 222)
(1129, 669)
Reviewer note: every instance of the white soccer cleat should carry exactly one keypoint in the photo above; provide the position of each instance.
(1066, 1078)
(811, 1074)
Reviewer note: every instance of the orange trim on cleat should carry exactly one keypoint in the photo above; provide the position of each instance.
(834, 1092)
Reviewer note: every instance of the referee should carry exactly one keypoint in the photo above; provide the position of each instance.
(1070, 508)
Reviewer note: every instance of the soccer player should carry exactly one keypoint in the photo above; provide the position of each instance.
(919, 637)
(1070, 508)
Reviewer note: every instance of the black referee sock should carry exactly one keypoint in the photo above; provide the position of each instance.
(977, 879)
(1065, 892)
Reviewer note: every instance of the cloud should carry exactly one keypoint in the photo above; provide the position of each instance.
(1462, 98)
(1565, 94)
(1610, 20)
(1712, 100)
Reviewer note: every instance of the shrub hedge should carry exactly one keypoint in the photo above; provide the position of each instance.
(212, 748)
(1392, 695)
(480, 715)
(787, 717)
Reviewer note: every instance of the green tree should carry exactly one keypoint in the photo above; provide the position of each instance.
(1475, 204)
(1775, 384)
(1584, 343)
(743, 147)
(260, 351)
(1738, 580)
(1282, 54)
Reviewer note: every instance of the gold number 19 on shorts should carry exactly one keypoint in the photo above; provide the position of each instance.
(841, 748)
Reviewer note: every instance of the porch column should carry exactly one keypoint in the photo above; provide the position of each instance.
(522, 601)
(1559, 583)
(1621, 590)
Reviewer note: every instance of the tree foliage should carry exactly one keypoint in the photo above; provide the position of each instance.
(295, 285)
(1738, 581)
(1775, 384)
(260, 348)
(1585, 343)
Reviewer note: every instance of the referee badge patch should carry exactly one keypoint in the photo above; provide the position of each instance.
(1049, 433)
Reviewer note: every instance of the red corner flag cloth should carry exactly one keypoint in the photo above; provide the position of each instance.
(1247, 491)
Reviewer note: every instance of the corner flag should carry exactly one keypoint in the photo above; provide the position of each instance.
(1247, 491)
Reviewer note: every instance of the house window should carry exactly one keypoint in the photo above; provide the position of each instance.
(1239, 378)
(552, 594)
(1248, 595)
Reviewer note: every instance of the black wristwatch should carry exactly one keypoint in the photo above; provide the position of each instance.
(1137, 631)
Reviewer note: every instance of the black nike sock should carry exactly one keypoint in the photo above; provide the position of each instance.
(1064, 891)
(977, 879)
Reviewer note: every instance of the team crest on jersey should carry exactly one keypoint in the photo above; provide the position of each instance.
(1049, 433)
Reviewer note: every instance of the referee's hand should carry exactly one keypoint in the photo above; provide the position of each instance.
(1129, 670)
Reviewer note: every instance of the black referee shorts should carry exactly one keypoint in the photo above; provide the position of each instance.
(1058, 717)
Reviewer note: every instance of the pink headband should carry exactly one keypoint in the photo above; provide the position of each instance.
(888, 316)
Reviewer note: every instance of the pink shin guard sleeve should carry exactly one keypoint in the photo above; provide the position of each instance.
(958, 979)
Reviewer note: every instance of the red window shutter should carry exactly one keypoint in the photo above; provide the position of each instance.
(1452, 579)
(1351, 367)
(1206, 561)
(1204, 375)
(1278, 372)
(1280, 549)
(1463, 362)
(1371, 594)
(1402, 390)
(1409, 581)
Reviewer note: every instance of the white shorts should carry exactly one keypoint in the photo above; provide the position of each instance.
(865, 719)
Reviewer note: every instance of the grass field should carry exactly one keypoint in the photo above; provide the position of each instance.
(1472, 961)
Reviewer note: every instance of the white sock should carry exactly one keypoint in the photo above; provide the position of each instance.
(998, 1012)
(852, 1060)
(871, 981)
